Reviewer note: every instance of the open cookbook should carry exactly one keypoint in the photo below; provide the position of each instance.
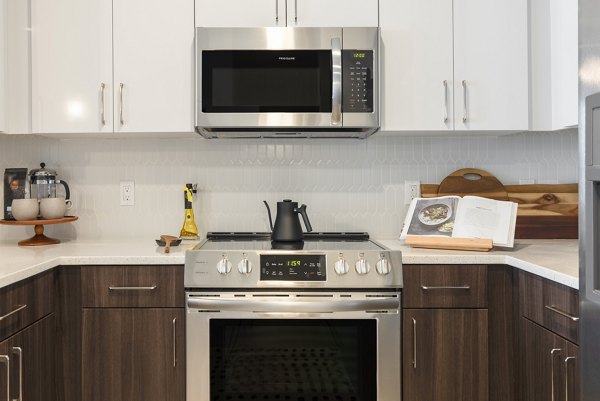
(467, 217)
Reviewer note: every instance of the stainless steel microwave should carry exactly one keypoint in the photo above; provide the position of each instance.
(287, 82)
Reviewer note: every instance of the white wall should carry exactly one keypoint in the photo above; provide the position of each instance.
(347, 184)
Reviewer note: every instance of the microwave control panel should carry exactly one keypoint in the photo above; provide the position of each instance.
(357, 85)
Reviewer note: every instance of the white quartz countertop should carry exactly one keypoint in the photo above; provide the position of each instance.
(557, 260)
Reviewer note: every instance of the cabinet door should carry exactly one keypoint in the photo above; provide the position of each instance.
(491, 65)
(153, 65)
(133, 354)
(542, 353)
(416, 48)
(31, 354)
(240, 13)
(332, 13)
(71, 60)
(445, 355)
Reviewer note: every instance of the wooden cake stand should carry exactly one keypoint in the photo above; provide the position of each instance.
(39, 238)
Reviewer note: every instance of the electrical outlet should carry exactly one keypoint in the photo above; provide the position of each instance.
(412, 190)
(127, 193)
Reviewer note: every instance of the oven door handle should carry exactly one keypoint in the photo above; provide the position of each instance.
(286, 306)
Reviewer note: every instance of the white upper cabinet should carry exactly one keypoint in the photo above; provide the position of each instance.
(71, 61)
(15, 67)
(491, 65)
(240, 13)
(79, 64)
(332, 13)
(3, 91)
(431, 46)
(554, 64)
(301, 13)
(416, 54)
(153, 65)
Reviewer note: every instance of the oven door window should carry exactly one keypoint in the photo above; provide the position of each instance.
(259, 81)
(294, 360)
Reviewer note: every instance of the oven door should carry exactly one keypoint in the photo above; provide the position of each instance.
(269, 77)
(299, 347)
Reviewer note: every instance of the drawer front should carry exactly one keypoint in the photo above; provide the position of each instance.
(445, 286)
(132, 286)
(552, 305)
(25, 302)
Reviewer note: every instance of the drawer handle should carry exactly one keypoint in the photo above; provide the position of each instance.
(112, 288)
(19, 308)
(460, 287)
(564, 314)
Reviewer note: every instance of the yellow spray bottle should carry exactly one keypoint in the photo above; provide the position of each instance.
(189, 229)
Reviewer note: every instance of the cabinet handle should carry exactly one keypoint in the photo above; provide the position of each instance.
(460, 287)
(112, 288)
(121, 85)
(5, 359)
(296, 11)
(465, 114)
(567, 359)
(277, 12)
(102, 86)
(445, 101)
(174, 342)
(414, 324)
(19, 352)
(19, 308)
(564, 314)
(552, 352)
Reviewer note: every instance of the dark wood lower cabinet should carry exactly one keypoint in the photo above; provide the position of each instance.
(133, 354)
(551, 370)
(31, 353)
(445, 355)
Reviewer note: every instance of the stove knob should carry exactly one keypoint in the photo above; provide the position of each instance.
(362, 266)
(224, 266)
(341, 267)
(383, 266)
(245, 267)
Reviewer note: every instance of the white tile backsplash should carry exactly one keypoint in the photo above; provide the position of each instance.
(350, 185)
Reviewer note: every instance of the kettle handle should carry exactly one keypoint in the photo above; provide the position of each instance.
(302, 211)
(67, 191)
(269, 212)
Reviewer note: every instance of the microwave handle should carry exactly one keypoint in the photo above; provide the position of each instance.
(336, 81)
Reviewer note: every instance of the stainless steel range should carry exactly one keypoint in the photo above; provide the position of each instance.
(319, 320)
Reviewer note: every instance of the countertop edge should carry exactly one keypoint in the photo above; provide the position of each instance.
(409, 257)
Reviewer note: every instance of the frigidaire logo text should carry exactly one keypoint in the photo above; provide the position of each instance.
(287, 58)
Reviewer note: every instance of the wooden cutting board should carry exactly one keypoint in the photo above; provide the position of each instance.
(546, 211)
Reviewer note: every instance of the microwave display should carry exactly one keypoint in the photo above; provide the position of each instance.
(261, 81)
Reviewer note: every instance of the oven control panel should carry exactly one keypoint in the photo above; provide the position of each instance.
(293, 267)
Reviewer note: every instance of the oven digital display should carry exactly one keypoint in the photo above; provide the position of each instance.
(292, 267)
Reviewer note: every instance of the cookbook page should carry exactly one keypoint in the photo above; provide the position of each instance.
(486, 218)
(430, 216)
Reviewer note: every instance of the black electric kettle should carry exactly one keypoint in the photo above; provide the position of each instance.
(287, 224)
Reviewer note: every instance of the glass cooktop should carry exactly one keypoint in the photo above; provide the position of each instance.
(312, 242)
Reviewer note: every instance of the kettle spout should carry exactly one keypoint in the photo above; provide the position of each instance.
(269, 212)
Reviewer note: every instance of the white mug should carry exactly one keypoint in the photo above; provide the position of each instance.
(54, 208)
(25, 209)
